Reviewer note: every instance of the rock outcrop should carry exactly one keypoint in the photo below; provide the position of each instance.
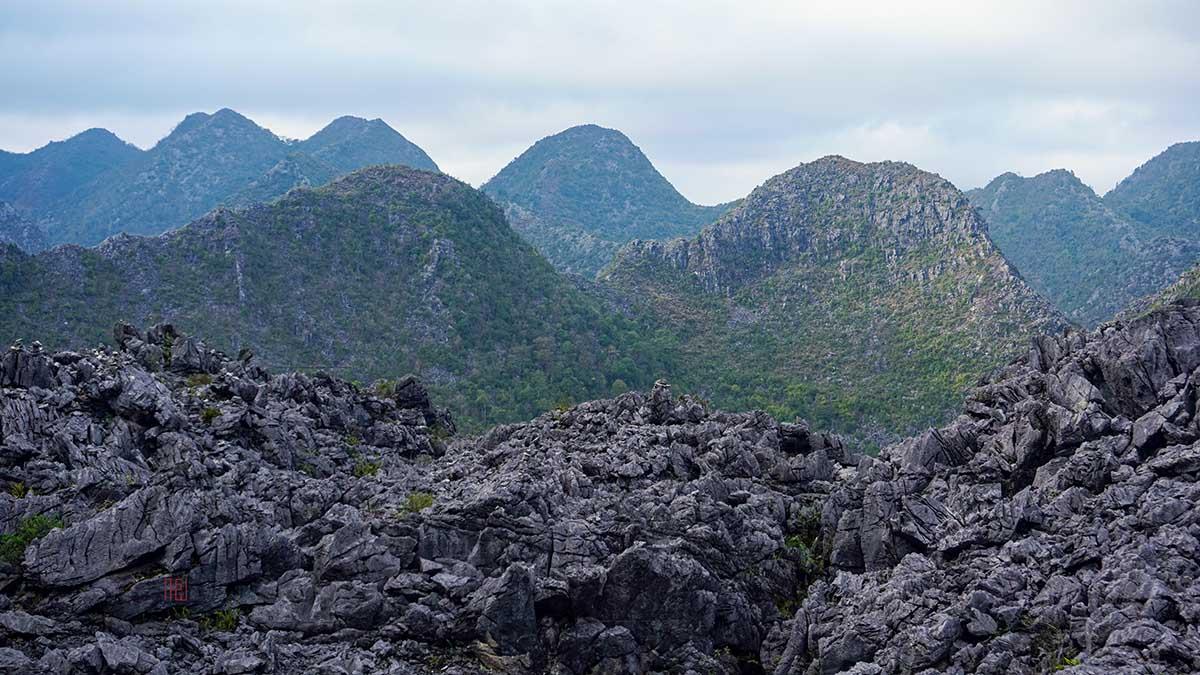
(170, 509)
(1051, 526)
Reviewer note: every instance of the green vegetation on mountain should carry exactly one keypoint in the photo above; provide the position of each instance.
(1164, 193)
(94, 185)
(350, 143)
(862, 297)
(1087, 258)
(580, 194)
(1186, 287)
(35, 182)
(384, 272)
(15, 229)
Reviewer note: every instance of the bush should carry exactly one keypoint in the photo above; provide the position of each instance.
(418, 501)
(222, 620)
(199, 380)
(209, 415)
(364, 468)
(18, 490)
(12, 546)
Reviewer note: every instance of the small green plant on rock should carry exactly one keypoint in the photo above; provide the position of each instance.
(364, 467)
(199, 380)
(1066, 662)
(18, 490)
(209, 414)
(12, 546)
(221, 621)
(418, 502)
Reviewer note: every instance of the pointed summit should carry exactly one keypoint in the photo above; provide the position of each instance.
(862, 296)
(38, 180)
(1164, 193)
(581, 193)
(349, 143)
(1090, 259)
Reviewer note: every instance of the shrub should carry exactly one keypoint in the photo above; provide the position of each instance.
(364, 467)
(222, 620)
(417, 502)
(18, 490)
(199, 380)
(209, 415)
(12, 546)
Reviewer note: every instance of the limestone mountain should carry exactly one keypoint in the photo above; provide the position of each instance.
(857, 295)
(385, 271)
(1088, 258)
(580, 194)
(35, 182)
(206, 161)
(1186, 288)
(350, 143)
(1164, 193)
(15, 229)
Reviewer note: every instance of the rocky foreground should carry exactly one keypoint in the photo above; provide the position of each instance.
(170, 509)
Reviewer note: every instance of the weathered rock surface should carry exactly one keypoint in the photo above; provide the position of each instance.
(320, 528)
(1052, 525)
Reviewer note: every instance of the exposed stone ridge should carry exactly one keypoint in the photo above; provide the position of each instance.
(826, 209)
(1051, 525)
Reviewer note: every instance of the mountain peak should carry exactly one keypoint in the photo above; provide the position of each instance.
(350, 142)
(1164, 193)
(581, 193)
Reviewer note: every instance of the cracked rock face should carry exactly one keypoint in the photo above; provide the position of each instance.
(188, 512)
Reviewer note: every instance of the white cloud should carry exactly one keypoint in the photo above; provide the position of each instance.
(719, 94)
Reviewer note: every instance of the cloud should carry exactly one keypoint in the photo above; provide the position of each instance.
(719, 94)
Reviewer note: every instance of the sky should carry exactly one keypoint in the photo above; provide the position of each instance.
(719, 95)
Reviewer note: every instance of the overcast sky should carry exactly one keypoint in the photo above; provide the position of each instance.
(720, 95)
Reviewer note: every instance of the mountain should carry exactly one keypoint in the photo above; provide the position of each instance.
(94, 185)
(350, 143)
(1088, 258)
(580, 194)
(34, 182)
(1164, 193)
(204, 159)
(860, 296)
(387, 271)
(15, 229)
(1186, 287)
(200, 512)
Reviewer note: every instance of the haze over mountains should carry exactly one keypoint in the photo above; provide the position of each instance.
(1094, 256)
(580, 194)
(94, 185)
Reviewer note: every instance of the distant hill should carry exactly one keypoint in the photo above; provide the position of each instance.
(580, 194)
(859, 296)
(385, 271)
(37, 181)
(15, 229)
(1089, 258)
(350, 143)
(93, 185)
(1164, 193)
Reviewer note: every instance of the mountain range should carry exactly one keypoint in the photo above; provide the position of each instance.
(861, 296)
(385, 271)
(1093, 256)
(580, 194)
(93, 185)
